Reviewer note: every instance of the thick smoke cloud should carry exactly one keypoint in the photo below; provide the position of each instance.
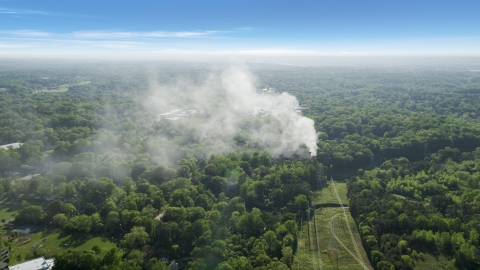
(228, 110)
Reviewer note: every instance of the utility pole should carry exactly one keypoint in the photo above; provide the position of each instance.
(359, 256)
(319, 179)
(308, 224)
(332, 244)
(301, 230)
(316, 234)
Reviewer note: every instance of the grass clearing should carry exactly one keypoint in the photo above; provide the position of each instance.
(327, 195)
(7, 211)
(61, 88)
(431, 262)
(307, 247)
(58, 241)
(342, 259)
(399, 196)
(342, 255)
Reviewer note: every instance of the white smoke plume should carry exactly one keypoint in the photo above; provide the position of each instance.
(228, 110)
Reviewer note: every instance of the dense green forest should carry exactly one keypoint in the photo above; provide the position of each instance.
(95, 161)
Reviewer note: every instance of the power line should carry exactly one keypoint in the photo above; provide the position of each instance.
(308, 224)
(300, 238)
(332, 244)
(348, 227)
(316, 234)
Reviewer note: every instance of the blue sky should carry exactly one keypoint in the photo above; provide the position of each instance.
(239, 27)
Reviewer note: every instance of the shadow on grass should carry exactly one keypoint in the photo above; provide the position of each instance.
(9, 210)
(65, 239)
(73, 239)
(47, 231)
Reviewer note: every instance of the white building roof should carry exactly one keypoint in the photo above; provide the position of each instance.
(35, 264)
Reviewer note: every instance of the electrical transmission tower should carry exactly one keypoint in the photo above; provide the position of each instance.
(308, 225)
(319, 179)
(332, 244)
(320, 264)
(301, 227)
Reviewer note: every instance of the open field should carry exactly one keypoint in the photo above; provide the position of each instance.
(57, 241)
(313, 248)
(3, 89)
(8, 210)
(339, 257)
(61, 88)
(327, 195)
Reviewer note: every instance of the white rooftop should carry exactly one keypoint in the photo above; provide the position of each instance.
(35, 264)
(14, 145)
(50, 262)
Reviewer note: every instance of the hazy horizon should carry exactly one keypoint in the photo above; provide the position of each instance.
(435, 62)
(238, 31)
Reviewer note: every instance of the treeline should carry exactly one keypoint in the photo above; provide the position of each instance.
(369, 137)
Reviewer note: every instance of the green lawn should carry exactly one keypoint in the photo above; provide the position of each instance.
(8, 210)
(58, 241)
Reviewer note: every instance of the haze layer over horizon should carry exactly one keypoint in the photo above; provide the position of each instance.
(237, 31)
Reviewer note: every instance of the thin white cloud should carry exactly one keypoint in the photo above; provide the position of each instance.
(119, 45)
(153, 34)
(212, 43)
(242, 29)
(117, 35)
(27, 33)
(447, 39)
(24, 11)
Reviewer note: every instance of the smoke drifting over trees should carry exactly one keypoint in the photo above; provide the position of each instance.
(228, 110)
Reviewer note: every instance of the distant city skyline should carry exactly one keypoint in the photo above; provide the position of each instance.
(183, 29)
